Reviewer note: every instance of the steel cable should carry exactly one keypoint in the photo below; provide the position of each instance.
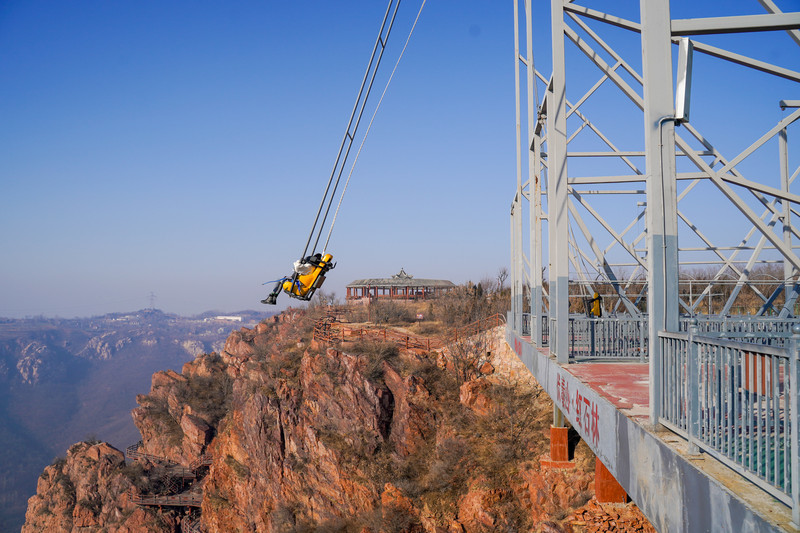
(347, 141)
(369, 127)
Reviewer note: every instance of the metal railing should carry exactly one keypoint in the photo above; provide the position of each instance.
(335, 333)
(189, 499)
(132, 452)
(204, 460)
(526, 325)
(476, 327)
(607, 338)
(545, 331)
(754, 329)
(527, 329)
(628, 337)
(737, 401)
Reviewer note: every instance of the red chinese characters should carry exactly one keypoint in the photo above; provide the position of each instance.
(586, 417)
(562, 393)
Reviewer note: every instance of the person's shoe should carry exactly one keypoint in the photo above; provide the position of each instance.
(272, 299)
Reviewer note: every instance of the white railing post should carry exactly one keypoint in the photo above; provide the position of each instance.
(693, 397)
(642, 328)
(793, 421)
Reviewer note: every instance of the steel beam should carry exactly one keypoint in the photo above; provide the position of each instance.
(770, 6)
(739, 59)
(535, 175)
(516, 209)
(602, 262)
(628, 248)
(609, 50)
(558, 217)
(788, 269)
(662, 223)
(744, 208)
(603, 17)
(743, 23)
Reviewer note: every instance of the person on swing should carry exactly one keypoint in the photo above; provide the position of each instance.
(307, 277)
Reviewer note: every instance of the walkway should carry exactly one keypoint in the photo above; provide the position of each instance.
(170, 474)
(185, 499)
(607, 403)
(625, 385)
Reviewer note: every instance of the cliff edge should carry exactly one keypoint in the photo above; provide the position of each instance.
(277, 433)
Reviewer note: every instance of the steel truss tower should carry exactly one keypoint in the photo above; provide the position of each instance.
(620, 193)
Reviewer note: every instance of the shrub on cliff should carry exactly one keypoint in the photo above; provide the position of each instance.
(390, 312)
(158, 412)
(468, 303)
(208, 395)
(375, 353)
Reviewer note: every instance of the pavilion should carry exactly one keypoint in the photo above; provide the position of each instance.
(400, 286)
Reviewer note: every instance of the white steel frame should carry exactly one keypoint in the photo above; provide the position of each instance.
(564, 228)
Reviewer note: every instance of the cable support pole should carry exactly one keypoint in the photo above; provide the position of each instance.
(350, 122)
(369, 127)
(358, 122)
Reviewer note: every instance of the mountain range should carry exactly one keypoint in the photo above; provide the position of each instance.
(65, 380)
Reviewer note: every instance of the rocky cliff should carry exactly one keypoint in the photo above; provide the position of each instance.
(62, 380)
(87, 491)
(301, 437)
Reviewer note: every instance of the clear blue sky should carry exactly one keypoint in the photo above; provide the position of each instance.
(182, 148)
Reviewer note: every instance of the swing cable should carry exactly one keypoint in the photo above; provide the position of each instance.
(349, 136)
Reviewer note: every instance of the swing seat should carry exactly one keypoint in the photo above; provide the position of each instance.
(303, 286)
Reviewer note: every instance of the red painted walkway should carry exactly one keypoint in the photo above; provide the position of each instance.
(626, 385)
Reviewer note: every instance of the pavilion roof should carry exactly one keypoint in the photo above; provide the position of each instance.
(401, 279)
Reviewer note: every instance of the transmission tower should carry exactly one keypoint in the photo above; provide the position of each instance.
(152, 299)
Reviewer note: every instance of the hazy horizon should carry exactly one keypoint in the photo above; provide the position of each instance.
(220, 312)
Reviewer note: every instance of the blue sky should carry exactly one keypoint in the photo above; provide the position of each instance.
(182, 148)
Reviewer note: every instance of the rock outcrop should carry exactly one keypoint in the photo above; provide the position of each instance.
(359, 438)
(87, 491)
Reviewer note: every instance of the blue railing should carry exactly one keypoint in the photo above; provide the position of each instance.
(527, 329)
(737, 401)
(607, 338)
(628, 337)
(755, 329)
(726, 384)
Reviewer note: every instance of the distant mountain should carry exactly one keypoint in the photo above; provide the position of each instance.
(63, 380)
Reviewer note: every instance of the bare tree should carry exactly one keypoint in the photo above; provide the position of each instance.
(325, 299)
(502, 276)
(467, 355)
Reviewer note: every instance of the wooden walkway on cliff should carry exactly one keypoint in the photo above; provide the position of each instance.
(330, 330)
(170, 473)
(132, 452)
(185, 499)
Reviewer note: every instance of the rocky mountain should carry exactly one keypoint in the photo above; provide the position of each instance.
(277, 433)
(86, 488)
(63, 380)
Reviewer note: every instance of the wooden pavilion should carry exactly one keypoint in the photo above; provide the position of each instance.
(400, 286)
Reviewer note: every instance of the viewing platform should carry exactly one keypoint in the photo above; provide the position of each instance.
(719, 459)
(643, 212)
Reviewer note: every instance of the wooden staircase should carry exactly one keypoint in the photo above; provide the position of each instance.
(174, 476)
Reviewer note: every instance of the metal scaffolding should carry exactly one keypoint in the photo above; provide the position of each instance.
(598, 210)
(620, 193)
